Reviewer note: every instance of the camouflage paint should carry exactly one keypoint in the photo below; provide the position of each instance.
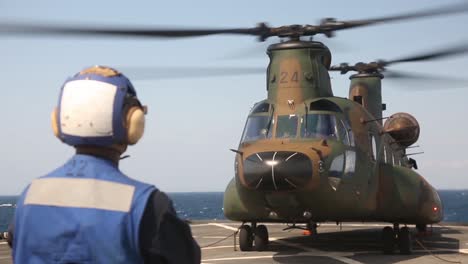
(380, 189)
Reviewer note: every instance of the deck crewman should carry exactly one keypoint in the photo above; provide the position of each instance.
(88, 211)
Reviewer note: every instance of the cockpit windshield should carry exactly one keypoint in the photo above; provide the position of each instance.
(287, 126)
(319, 126)
(257, 127)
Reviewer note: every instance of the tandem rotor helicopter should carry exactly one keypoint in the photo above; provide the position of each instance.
(307, 156)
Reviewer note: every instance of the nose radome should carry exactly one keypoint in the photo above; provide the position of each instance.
(277, 170)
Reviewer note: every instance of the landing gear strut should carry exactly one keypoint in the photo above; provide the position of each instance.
(253, 237)
(312, 227)
(396, 236)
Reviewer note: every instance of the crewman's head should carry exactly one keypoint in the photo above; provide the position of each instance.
(98, 107)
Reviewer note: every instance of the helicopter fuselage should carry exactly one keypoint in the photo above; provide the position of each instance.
(307, 156)
(350, 174)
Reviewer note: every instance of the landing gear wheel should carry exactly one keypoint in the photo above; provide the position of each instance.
(245, 238)
(405, 243)
(261, 238)
(388, 240)
(422, 228)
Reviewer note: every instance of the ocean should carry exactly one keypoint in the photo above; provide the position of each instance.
(209, 206)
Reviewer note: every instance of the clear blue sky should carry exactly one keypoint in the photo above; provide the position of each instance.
(193, 122)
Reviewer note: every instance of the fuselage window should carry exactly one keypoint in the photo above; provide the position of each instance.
(257, 127)
(343, 165)
(373, 147)
(286, 126)
(384, 154)
(320, 126)
(350, 165)
(336, 167)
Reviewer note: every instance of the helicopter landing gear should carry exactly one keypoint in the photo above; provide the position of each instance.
(312, 228)
(261, 238)
(245, 238)
(388, 240)
(396, 236)
(422, 228)
(405, 243)
(255, 237)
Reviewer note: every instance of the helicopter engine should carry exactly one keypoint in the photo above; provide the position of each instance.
(402, 127)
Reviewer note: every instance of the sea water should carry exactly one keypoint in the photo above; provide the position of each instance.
(209, 206)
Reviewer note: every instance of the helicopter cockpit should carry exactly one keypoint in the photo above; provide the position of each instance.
(262, 124)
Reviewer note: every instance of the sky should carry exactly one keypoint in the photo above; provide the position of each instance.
(193, 122)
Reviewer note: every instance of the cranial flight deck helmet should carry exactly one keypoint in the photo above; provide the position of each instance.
(98, 107)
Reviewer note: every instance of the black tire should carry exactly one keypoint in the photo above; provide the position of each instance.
(261, 238)
(422, 228)
(388, 240)
(405, 242)
(245, 238)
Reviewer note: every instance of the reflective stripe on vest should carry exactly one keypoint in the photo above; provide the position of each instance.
(80, 193)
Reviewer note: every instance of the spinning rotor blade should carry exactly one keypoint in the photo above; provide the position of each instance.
(439, 54)
(22, 28)
(401, 75)
(431, 82)
(327, 27)
(421, 14)
(380, 65)
(151, 73)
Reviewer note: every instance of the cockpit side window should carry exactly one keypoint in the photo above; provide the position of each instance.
(257, 127)
(320, 126)
(261, 108)
(349, 140)
(286, 126)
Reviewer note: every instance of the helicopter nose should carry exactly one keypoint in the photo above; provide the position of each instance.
(277, 170)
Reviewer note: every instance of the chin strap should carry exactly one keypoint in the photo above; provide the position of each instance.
(124, 157)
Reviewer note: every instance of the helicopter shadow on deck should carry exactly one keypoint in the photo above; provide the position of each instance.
(363, 245)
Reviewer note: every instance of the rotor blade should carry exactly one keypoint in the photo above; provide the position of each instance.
(327, 27)
(425, 81)
(152, 73)
(438, 54)
(21, 28)
(452, 9)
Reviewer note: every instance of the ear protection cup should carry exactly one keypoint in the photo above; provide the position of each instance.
(135, 124)
(54, 121)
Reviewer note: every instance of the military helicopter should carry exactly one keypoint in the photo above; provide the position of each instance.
(307, 156)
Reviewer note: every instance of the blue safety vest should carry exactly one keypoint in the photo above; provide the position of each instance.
(86, 211)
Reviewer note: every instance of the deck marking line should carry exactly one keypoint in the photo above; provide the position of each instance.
(302, 254)
(216, 247)
(3, 243)
(339, 258)
(200, 225)
(334, 255)
(212, 237)
(241, 258)
(224, 226)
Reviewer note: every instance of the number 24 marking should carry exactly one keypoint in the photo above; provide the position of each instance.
(286, 77)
